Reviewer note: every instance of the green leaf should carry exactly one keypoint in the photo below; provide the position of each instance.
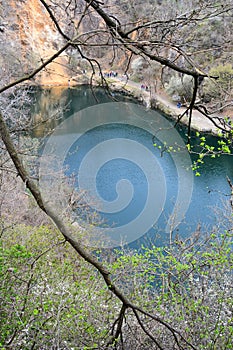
(35, 312)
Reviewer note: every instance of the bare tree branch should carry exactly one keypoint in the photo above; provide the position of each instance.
(62, 227)
(37, 70)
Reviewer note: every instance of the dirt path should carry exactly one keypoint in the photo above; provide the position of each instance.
(199, 121)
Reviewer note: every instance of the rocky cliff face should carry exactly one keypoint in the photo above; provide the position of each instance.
(28, 37)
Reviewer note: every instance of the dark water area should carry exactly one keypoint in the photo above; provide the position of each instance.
(99, 145)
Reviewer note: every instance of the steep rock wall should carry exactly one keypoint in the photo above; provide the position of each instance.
(31, 32)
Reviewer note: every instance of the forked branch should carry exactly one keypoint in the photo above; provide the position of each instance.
(77, 246)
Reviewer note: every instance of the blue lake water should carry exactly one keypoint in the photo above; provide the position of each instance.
(110, 154)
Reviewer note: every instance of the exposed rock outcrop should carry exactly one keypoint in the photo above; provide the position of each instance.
(31, 37)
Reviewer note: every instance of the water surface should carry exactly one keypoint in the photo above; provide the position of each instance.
(210, 190)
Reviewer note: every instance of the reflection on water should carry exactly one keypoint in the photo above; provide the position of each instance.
(49, 108)
(55, 104)
(209, 189)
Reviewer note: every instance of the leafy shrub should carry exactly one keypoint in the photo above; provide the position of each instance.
(138, 67)
(182, 87)
(222, 87)
(50, 299)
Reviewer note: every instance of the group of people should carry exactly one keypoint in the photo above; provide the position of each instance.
(144, 87)
(111, 74)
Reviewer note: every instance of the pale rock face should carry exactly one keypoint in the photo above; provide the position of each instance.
(29, 30)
